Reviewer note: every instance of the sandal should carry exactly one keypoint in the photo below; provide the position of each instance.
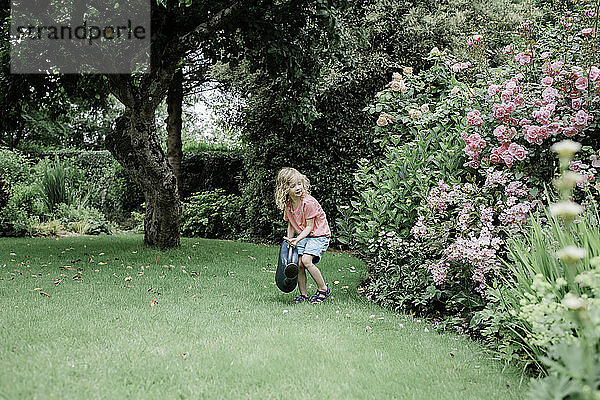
(300, 299)
(320, 295)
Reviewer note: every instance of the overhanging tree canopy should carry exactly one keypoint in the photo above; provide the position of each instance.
(260, 32)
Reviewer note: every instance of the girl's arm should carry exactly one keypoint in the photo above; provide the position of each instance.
(290, 231)
(310, 223)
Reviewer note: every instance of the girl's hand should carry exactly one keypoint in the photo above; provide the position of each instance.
(294, 242)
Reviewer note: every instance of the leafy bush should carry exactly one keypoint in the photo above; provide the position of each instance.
(23, 196)
(398, 278)
(418, 148)
(212, 214)
(211, 169)
(83, 220)
(4, 193)
(14, 166)
(47, 228)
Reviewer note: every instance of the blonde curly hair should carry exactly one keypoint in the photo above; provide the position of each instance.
(283, 183)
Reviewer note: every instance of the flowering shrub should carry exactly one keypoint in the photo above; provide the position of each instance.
(543, 93)
(558, 259)
(417, 149)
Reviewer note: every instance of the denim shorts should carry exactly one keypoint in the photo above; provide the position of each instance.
(313, 246)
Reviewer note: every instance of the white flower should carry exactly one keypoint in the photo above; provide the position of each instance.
(435, 52)
(382, 120)
(566, 148)
(568, 180)
(571, 254)
(455, 90)
(415, 113)
(425, 108)
(407, 70)
(560, 282)
(573, 302)
(396, 76)
(565, 209)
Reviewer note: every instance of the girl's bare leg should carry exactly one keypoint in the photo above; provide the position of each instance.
(302, 278)
(307, 262)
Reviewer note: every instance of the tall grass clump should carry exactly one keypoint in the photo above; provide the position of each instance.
(53, 185)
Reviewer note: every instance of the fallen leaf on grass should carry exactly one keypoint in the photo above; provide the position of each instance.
(153, 303)
(128, 279)
(252, 258)
(37, 288)
(184, 355)
(56, 282)
(45, 294)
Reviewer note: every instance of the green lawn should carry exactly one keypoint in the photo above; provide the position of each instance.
(79, 320)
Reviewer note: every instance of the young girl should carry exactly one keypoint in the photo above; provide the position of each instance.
(306, 217)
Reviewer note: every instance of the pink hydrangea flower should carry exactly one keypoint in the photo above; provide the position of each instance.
(581, 83)
(591, 32)
(517, 151)
(519, 100)
(499, 111)
(523, 58)
(493, 90)
(549, 94)
(474, 118)
(569, 131)
(547, 81)
(581, 118)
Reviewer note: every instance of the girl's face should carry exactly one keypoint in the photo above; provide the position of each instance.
(296, 189)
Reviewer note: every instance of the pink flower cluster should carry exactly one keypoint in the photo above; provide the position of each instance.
(458, 66)
(516, 214)
(516, 189)
(474, 118)
(493, 177)
(478, 251)
(523, 58)
(588, 171)
(419, 229)
(463, 216)
(508, 153)
(474, 145)
(474, 239)
(440, 196)
(439, 271)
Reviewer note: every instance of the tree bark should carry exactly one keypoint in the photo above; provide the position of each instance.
(134, 143)
(174, 125)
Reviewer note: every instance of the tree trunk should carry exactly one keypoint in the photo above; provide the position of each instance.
(134, 143)
(174, 124)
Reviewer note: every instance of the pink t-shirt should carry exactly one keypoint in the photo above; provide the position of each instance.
(308, 208)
